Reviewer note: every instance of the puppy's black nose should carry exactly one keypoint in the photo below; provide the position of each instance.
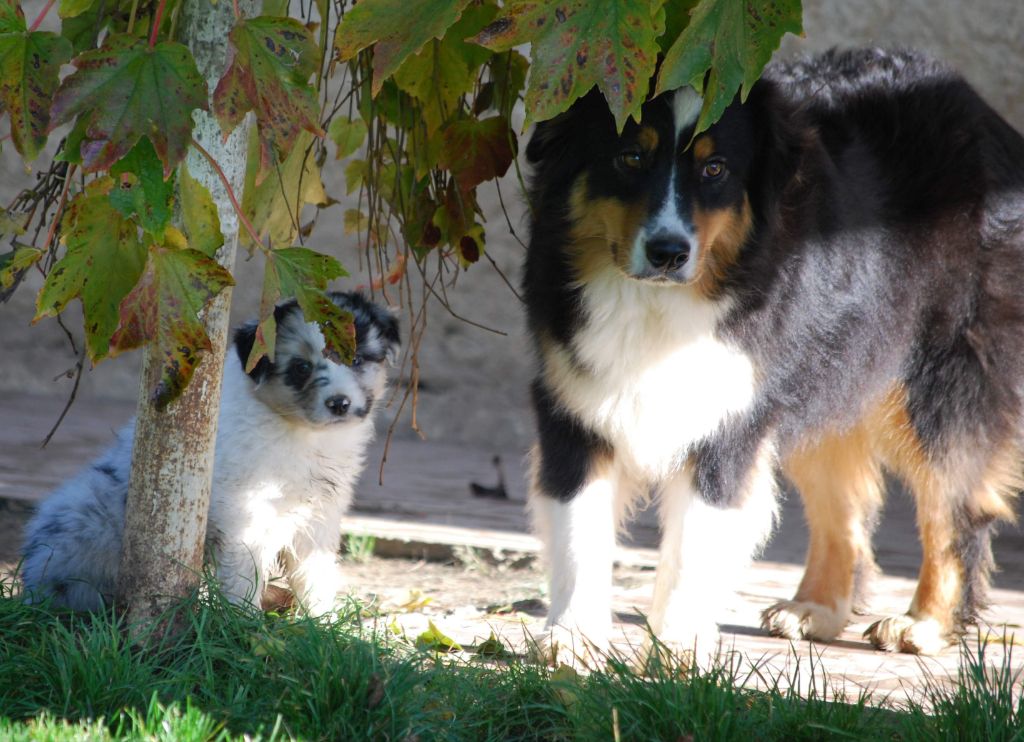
(668, 253)
(338, 405)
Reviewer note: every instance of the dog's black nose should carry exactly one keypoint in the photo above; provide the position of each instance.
(668, 253)
(338, 405)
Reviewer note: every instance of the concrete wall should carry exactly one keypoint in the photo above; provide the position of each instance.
(474, 382)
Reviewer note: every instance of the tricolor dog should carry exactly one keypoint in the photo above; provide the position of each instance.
(291, 442)
(829, 282)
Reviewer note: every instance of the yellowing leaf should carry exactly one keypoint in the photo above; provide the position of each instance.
(29, 64)
(199, 215)
(104, 260)
(415, 601)
(269, 73)
(12, 264)
(397, 28)
(164, 308)
(578, 44)
(348, 136)
(435, 639)
(125, 90)
(274, 206)
(729, 42)
(74, 8)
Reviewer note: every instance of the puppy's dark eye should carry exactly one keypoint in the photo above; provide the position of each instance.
(631, 159)
(300, 369)
(713, 169)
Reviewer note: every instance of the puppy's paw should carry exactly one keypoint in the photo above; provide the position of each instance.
(908, 635)
(558, 645)
(797, 619)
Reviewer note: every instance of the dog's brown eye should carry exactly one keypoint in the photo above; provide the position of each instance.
(632, 159)
(713, 169)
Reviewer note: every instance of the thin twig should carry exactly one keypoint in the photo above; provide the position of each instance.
(79, 364)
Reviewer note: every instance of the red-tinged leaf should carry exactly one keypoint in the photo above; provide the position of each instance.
(104, 260)
(303, 274)
(272, 60)
(476, 151)
(578, 44)
(29, 64)
(397, 28)
(733, 39)
(164, 308)
(126, 90)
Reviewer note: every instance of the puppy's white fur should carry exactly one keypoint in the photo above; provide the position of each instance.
(284, 474)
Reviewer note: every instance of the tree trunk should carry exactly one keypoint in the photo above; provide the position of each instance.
(172, 454)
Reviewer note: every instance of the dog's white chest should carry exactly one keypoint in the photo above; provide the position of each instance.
(657, 379)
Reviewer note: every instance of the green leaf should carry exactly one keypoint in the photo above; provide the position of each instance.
(269, 73)
(275, 206)
(348, 136)
(729, 41)
(199, 215)
(508, 73)
(435, 639)
(144, 192)
(302, 273)
(476, 151)
(74, 8)
(443, 71)
(104, 260)
(125, 90)
(83, 29)
(29, 64)
(164, 308)
(578, 44)
(397, 28)
(14, 263)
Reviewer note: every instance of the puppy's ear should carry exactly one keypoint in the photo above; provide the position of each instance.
(245, 337)
(387, 318)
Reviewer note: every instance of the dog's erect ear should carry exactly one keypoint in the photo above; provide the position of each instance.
(245, 337)
(388, 319)
(782, 139)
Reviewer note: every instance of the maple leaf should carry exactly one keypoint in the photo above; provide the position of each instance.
(199, 215)
(271, 63)
(443, 71)
(275, 206)
(16, 262)
(396, 29)
(164, 308)
(303, 274)
(125, 90)
(348, 136)
(579, 44)
(142, 189)
(104, 260)
(729, 41)
(29, 64)
(477, 150)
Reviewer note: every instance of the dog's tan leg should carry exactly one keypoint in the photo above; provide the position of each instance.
(840, 483)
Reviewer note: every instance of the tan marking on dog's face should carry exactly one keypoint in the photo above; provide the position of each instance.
(603, 232)
(721, 235)
(703, 148)
(648, 139)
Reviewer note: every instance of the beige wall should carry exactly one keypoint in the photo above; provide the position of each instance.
(474, 381)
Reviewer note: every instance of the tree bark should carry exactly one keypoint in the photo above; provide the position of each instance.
(172, 454)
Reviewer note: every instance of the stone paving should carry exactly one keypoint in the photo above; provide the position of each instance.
(424, 508)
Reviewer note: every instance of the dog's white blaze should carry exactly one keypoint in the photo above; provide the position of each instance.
(660, 379)
(667, 220)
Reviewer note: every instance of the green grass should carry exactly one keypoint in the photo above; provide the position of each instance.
(240, 675)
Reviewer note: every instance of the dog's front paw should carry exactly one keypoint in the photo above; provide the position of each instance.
(558, 645)
(909, 635)
(797, 619)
